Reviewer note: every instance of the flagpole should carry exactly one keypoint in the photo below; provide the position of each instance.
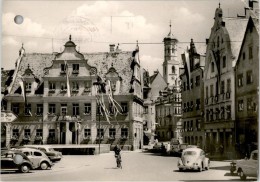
(99, 129)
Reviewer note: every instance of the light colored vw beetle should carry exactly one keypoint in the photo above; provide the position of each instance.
(193, 159)
(248, 167)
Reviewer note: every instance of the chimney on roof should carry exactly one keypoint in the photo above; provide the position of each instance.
(112, 47)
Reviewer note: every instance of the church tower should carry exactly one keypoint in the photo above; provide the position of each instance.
(171, 63)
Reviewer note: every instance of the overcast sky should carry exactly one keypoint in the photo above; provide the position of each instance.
(96, 24)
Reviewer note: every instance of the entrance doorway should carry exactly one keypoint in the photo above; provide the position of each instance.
(62, 133)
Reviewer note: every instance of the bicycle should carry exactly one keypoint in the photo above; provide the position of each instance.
(118, 161)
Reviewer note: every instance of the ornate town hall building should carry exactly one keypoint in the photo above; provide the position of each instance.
(54, 115)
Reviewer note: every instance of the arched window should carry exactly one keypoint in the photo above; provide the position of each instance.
(173, 69)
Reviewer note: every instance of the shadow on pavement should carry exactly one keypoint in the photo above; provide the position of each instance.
(227, 168)
(231, 174)
(193, 171)
(13, 172)
(111, 168)
(158, 154)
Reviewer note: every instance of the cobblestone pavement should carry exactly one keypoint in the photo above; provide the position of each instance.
(137, 166)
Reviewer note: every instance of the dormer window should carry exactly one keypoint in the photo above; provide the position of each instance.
(75, 69)
(52, 87)
(173, 69)
(87, 86)
(28, 87)
(62, 69)
(113, 85)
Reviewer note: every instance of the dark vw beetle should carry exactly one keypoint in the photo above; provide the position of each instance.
(15, 160)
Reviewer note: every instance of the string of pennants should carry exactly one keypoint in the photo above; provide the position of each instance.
(102, 88)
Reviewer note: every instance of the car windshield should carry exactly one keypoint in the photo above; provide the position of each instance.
(190, 153)
(183, 146)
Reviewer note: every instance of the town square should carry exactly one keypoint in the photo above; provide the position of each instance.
(130, 91)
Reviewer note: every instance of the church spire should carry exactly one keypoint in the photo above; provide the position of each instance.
(170, 27)
(170, 35)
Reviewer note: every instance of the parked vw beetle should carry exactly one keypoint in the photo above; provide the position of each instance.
(194, 159)
(15, 160)
(248, 167)
(49, 151)
(38, 158)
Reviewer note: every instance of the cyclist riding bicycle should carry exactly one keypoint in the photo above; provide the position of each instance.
(117, 151)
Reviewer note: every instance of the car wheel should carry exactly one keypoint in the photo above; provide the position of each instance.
(207, 168)
(242, 175)
(44, 165)
(24, 168)
(201, 167)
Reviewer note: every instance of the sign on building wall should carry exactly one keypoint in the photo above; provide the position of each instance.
(7, 116)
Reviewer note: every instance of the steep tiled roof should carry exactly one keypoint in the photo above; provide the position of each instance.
(37, 62)
(236, 29)
(120, 61)
(255, 22)
(5, 77)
